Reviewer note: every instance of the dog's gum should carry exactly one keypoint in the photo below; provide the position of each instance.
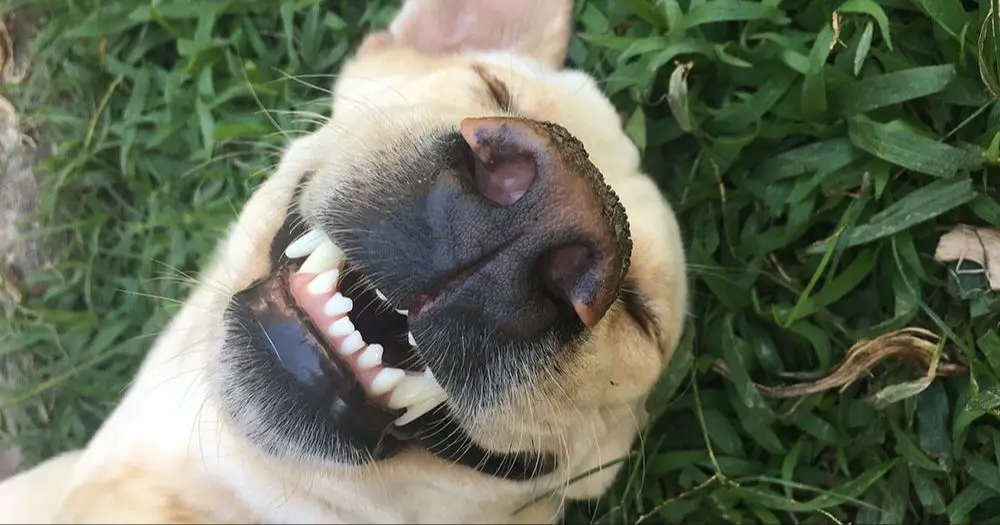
(314, 306)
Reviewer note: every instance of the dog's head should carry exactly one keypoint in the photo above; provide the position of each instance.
(470, 254)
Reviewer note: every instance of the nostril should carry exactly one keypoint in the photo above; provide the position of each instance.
(569, 225)
(571, 273)
(505, 157)
(504, 182)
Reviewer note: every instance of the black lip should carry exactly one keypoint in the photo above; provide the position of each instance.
(285, 345)
(443, 437)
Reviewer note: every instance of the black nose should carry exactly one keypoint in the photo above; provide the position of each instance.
(537, 222)
(502, 229)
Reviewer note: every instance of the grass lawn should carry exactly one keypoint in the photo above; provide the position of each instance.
(815, 151)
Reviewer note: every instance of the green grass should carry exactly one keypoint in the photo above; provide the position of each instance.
(813, 167)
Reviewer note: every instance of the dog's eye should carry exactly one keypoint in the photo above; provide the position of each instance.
(637, 308)
(498, 90)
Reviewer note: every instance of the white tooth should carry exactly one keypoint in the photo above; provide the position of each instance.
(324, 282)
(305, 244)
(402, 312)
(416, 411)
(409, 337)
(325, 257)
(338, 304)
(415, 389)
(386, 380)
(341, 327)
(381, 295)
(371, 357)
(352, 344)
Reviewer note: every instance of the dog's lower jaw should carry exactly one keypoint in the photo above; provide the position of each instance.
(160, 460)
(415, 486)
(412, 487)
(169, 453)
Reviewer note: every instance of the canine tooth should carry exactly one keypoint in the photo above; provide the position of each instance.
(352, 343)
(325, 257)
(409, 337)
(324, 282)
(415, 389)
(386, 380)
(418, 410)
(381, 295)
(402, 312)
(341, 327)
(305, 244)
(338, 304)
(371, 357)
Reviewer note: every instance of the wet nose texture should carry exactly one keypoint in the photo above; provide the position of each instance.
(552, 226)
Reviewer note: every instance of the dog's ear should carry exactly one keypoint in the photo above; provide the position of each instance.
(539, 29)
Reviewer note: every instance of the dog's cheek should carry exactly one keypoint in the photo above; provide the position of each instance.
(244, 255)
(614, 365)
(619, 364)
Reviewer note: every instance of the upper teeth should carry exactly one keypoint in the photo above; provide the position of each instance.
(371, 357)
(341, 327)
(418, 393)
(324, 283)
(325, 256)
(352, 343)
(305, 244)
(338, 305)
(418, 410)
(415, 388)
(386, 380)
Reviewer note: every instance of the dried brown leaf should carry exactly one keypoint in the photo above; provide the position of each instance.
(970, 243)
(6, 48)
(16, 31)
(915, 346)
(9, 288)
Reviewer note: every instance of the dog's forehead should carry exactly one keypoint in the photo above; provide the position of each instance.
(388, 85)
(517, 64)
(395, 80)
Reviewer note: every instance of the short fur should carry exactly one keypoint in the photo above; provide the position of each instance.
(169, 453)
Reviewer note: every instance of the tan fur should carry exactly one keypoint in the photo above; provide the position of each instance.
(169, 455)
(134, 493)
(33, 495)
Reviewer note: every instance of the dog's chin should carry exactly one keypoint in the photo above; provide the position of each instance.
(316, 365)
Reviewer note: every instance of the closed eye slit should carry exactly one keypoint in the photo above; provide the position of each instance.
(637, 308)
(498, 90)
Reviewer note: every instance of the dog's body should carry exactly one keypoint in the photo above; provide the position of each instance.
(188, 444)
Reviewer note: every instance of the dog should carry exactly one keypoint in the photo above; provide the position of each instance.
(445, 304)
